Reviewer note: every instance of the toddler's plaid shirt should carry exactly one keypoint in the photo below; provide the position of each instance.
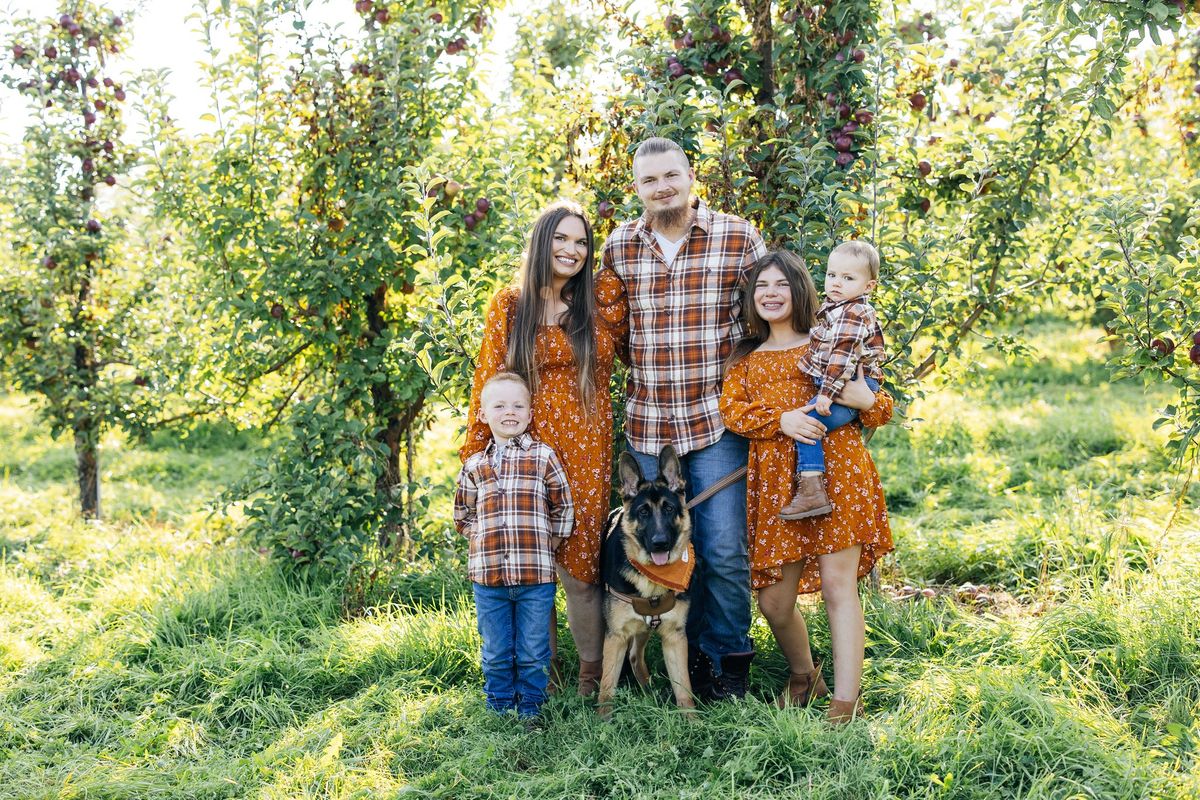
(847, 334)
(683, 319)
(508, 516)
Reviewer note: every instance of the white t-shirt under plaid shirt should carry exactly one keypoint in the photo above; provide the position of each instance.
(684, 318)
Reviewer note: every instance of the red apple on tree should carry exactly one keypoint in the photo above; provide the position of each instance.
(843, 144)
(863, 116)
(362, 6)
(605, 209)
(93, 226)
(481, 206)
(1194, 354)
(49, 263)
(470, 220)
(51, 52)
(1162, 347)
(924, 168)
(844, 159)
(918, 101)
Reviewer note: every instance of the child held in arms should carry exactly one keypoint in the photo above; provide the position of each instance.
(846, 337)
(514, 507)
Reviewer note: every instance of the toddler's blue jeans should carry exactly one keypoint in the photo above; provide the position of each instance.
(811, 457)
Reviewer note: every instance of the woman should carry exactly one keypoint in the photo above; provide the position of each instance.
(764, 399)
(551, 332)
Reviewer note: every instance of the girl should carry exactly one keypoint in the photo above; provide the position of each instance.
(552, 333)
(763, 399)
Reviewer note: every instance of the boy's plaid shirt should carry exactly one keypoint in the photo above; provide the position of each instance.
(509, 517)
(846, 335)
(683, 322)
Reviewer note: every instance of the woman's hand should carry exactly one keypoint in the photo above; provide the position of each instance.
(856, 394)
(800, 426)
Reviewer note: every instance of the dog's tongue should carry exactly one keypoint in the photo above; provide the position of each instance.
(659, 558)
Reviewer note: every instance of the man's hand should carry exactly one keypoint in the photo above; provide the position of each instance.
(555, 543)
(800, 426)
(823, 405)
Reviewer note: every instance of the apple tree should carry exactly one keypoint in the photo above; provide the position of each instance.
(81, 296)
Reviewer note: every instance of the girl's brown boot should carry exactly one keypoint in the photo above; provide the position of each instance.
(803, 688)
(842, 712)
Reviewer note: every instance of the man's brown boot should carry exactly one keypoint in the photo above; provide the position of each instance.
(803, 688)
(810, 499)
(589, 677)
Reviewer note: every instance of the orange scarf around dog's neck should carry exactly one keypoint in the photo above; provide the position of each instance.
(676, 576)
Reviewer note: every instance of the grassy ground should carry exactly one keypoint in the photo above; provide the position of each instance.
(155, 656)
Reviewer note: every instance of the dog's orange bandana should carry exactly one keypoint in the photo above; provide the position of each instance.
(676, 576)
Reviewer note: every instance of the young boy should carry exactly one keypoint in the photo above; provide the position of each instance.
(514, 507)
(847, 336)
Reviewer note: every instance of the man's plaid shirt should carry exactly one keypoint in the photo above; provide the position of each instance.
(509, 517)
(683, 322)
(847, 334)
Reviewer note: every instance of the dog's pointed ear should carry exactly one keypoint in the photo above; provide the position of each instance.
(670, 469)
(630, 475)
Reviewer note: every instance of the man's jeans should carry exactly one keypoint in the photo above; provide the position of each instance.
(514, 624)
(811, 457)
(719, 618)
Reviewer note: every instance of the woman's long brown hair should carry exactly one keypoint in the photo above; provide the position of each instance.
(536, 276)
(804, 302)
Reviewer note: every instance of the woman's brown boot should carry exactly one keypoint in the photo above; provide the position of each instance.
(556, 677)
(803, 688)
(842, 712)
(589, 677)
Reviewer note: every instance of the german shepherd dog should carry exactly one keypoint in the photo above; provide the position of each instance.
(649, 533)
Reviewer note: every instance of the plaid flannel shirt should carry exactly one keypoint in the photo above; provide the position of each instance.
(508, 516)
(846, 335)
(683, 321)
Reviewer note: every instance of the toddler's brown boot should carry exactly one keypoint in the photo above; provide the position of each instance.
(810, 499)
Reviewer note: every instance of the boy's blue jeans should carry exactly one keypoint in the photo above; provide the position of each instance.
(811, 457)
(514, 624)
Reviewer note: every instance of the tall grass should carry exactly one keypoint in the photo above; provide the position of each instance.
(155, 656)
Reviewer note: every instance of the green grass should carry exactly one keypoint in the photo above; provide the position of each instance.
(155, 655)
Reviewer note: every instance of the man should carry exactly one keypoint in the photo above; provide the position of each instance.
(680, 267)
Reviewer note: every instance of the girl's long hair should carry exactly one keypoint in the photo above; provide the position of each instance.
(578, 294)
(804, 302)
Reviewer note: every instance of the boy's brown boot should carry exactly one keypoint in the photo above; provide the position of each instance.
(810, 499)
(842, 712)
(803, 688)
(589, 677)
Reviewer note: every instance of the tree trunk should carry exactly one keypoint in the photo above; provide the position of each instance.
(87, 467)
(396, 419)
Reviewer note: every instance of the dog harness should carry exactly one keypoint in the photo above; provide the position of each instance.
(650, 609)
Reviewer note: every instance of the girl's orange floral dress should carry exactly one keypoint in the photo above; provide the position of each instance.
(582, 440)
(757, 390)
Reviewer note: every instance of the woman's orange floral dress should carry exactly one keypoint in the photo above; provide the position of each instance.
(582, 441)
(757, 390)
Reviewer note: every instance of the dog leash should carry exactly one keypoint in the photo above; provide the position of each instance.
(728, 480)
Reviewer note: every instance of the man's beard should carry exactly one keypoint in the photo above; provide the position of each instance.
(669, 218)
